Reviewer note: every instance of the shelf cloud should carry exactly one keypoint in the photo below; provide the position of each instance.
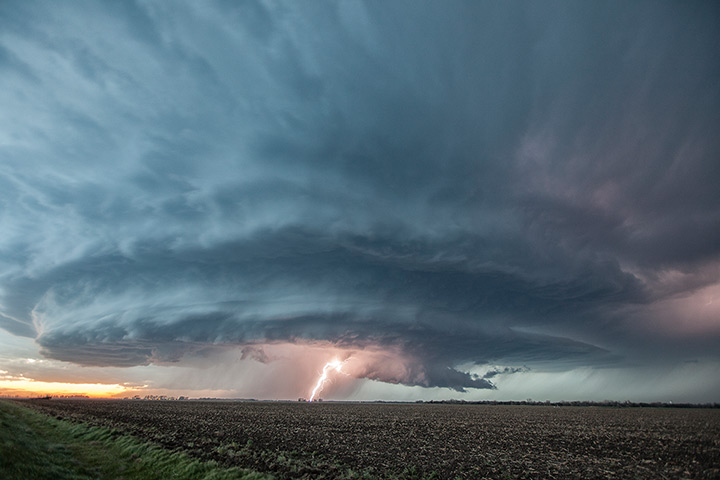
(456, 183)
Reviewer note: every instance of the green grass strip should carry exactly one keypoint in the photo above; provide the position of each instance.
(36, 446)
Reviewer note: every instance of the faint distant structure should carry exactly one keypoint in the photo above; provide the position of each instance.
(301, 399)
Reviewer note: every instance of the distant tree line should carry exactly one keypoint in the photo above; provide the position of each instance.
(579, 403)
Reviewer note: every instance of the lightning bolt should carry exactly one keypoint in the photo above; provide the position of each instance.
(335, 365)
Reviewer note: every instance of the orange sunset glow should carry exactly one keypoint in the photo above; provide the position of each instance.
(28, 387)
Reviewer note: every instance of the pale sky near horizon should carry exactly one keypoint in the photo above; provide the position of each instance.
(463, 199)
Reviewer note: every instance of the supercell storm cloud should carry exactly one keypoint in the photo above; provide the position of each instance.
(421, 186)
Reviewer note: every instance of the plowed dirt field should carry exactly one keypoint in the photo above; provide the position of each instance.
(336, 440)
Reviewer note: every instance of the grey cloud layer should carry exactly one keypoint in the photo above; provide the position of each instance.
(446, 178)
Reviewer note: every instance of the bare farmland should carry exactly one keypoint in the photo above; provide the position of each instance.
(332, 440)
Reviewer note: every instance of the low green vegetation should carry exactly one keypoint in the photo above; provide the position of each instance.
(36, 446)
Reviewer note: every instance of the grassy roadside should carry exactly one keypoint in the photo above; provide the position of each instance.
(35, 446)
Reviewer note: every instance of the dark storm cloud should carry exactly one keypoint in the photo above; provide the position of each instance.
(306, 287)
(469, 182)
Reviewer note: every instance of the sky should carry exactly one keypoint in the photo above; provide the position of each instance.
(474, 200)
